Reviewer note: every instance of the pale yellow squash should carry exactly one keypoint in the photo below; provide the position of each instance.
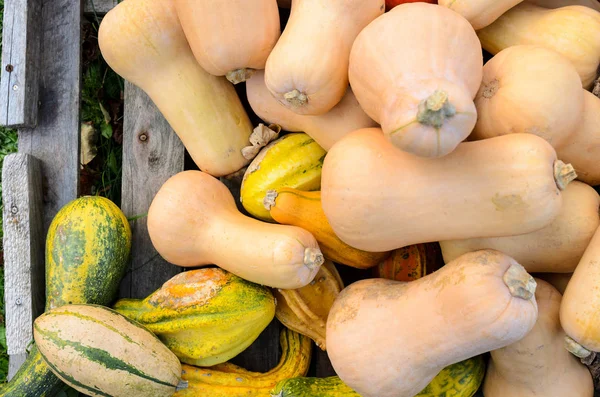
(144, 43)
(230, 38)
(539, 364)
(325, 129)
(557, 247)
(390, 339)
(593, 4)
(573, 31)
(480, 13)
(307, 70)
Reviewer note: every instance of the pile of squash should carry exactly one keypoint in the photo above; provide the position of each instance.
(461, 190)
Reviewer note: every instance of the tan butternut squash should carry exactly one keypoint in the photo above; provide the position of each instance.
(593, 4)
(415, 70)
(325, 129)
(389, 199)
(581, 303)
(379, 332)
(557, 280)
(144, 43)
(538, 364)
(303, 209)
(307, 70)
(193, 221)
(230, 38)
(480, 13)
(557, 247)
(583, 149)
(546, 99)
(572, 31)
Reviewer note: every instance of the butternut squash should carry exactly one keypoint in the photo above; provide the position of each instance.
(410, 263)
(557, 280)
(502, 186)
(538, 364)
(583, 149)
(415, 70)
(593, 4)
(482, 301)
(545, 99)
(557, 247)
(572, 31)
(193, 221)
(144, 43)
(480, 13)
(294, 160)
(307, 70)
(325, 129)
(581, 303)
(305, 310)
(230, 38)
(295, 207)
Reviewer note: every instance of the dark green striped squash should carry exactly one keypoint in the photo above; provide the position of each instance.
(462, 379)
(100, 352)
(87, 248)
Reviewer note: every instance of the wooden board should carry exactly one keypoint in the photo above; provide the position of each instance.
(20, 63)
(99, 6)
(152, 153)
(23, 252)
(55, 140)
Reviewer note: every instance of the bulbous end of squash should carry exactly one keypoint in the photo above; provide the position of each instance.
(520, 283)
(563, 174)
(429, 119)
(204, 316)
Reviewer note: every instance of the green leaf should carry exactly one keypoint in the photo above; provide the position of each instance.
(106, 130)
(112, 163)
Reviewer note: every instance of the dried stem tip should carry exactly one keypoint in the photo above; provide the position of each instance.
(239, 75)
(434, 110)
(575, 348)
(563, 174)
(296, 98)
(313, 258)
(519, 282)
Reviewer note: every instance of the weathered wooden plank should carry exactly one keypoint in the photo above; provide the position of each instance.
(14, 363)
(152, 153)
(55, 140)
(20, 63)
(23, 252)
(99, 6)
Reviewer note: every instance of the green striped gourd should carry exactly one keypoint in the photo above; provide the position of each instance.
(87, 248)
(205, 316)
(100, 352)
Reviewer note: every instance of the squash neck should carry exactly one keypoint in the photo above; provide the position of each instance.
(435, 109)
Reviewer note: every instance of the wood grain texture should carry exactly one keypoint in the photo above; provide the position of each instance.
(152, 153)
(14, 363)
(20, 63)
(55, 140)
(99, 6)
(23, 248)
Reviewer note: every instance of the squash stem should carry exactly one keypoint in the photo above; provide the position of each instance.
(575, 348)
(313, 258)
(239, 75)
(296, 98)
(519, 282)
(183, 384)
(563, 174)
(434, 110)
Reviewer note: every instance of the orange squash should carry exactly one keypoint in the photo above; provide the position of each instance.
(379, 332)
(410, 263)
(572, 31)
(230, 38)
(143, 42)
(193, 221)
(538, 364)
(581, 303)
(307, 70)
(557, 247)
(377, 198)
(325, 129)
(303, 209)
(415, 70)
